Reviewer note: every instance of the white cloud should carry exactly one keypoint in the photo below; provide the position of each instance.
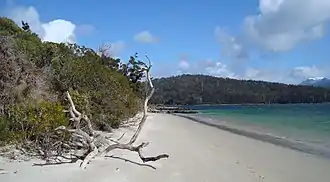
(304, 72)
(145, 37)
(265, 75)
(116, 48)
(219, 69)
(112, 49)
(251, 73)
(280, 26)
(58, 30)
(283, 24)
(184, 65)
(208, 67)
(290, 76)
(231, 46)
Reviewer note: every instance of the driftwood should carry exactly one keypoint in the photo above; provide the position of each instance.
(89, 134)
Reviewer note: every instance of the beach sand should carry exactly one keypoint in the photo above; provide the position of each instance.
(198, 153)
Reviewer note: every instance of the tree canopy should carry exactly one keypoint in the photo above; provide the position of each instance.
(202, 89)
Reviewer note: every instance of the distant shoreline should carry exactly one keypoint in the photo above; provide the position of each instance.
(261, 137)
(246, 104)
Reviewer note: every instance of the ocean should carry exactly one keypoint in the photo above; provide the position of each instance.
(304, 127)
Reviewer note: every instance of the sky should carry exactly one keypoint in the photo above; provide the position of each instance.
(284, 41)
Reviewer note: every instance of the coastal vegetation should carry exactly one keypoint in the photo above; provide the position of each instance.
(57, 97)
(202, 89)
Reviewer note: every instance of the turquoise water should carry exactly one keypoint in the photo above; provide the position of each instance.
(305, 123)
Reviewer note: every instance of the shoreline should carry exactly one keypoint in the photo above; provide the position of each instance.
(197, 153)
(248, 104)
(276, 140)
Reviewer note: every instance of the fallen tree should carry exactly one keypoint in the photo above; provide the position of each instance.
(83, 130)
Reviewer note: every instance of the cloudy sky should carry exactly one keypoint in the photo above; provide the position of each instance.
(273, 40)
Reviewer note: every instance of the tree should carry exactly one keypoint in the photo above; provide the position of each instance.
(202, 89)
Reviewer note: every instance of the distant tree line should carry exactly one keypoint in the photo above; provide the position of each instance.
(202, 89)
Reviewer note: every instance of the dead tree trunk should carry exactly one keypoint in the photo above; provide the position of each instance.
(129, 145)
(90, 134)
(145, 106)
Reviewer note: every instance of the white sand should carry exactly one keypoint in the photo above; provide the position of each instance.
(198, 153)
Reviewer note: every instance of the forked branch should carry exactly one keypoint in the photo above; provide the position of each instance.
(77, 118)
(129, 145)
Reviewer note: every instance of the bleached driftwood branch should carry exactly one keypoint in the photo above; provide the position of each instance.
(129, 145)
(77, 118)
(145, 107)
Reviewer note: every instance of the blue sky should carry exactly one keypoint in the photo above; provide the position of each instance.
(273, 40)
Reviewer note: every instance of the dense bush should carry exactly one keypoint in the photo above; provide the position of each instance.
(28, 121)
(34, 76)
(109, 96)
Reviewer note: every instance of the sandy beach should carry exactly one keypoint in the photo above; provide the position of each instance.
(198, 153)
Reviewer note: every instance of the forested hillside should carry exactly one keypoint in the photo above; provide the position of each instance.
(201, 89)
(35, 75)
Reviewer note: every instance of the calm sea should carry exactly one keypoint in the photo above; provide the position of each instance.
(306, 124)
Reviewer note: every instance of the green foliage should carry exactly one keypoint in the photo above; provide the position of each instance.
(27, 42)
(103, 93)
(81, 101)
(200, 89)
(108, 95)
(4, 130)
(19, 79)
(105, 88)
(8, 27)
(30, 44)
(27, 121)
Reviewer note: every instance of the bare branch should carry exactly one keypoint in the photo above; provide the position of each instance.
(135, 149)
(76, 116)
(137, 132)
(72, 104)
(148, 61)
(104, 50)
(129, 145)
(121, 137)
(92, 151)
(87, 138)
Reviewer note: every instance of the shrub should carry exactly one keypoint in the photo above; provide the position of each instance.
(27, 121)
(98, 90)
(4, 130)
(8, 27)
(34, 73)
